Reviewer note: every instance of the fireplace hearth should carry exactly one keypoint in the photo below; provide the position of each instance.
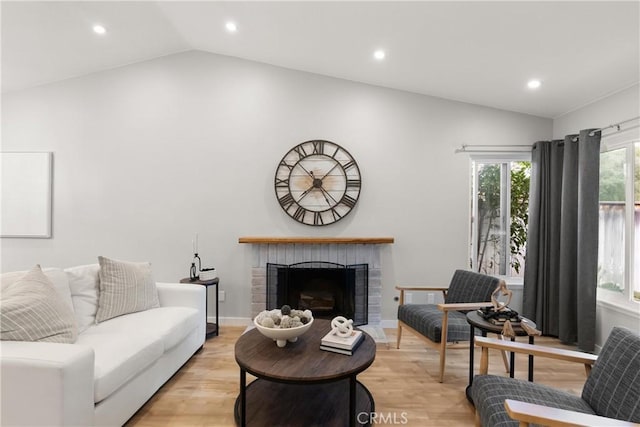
(328, 289)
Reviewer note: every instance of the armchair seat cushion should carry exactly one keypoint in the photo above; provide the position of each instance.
(489, 393)
(427, 320)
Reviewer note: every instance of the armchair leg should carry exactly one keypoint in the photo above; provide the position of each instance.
(484, 361)
(443, 344)
(400, 323)
(505, 359)
(478, 423)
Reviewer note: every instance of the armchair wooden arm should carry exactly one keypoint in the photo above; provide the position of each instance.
(402, 290)
(420, 288)
(463, 306)
(533, 350)
(531, 413)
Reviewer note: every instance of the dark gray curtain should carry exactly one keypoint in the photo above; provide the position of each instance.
(562, 242)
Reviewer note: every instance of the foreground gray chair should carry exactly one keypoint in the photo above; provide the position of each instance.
(439, 324)
(610, 397)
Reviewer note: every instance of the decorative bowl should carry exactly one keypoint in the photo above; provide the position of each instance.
(281, 336)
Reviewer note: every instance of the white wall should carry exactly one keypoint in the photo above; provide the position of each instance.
(148, 154)
(613, 109)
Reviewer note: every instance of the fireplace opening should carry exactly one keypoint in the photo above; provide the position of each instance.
(327, 289)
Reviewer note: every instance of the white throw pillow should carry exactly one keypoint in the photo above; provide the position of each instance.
(85, 286)
(125, 287)
(32, 310)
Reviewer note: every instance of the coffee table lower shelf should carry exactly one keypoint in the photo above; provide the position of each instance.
(326, 404)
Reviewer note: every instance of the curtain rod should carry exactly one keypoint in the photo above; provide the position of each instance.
(615, 125)
(518, 148)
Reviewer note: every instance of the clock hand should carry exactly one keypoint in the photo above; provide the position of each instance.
(325, 193)
(325, 175)
(308, 173)
(302, 196)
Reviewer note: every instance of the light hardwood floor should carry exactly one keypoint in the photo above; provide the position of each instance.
(403, 383)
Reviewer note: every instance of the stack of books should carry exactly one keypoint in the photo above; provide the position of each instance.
(342, 345)
(499, 317)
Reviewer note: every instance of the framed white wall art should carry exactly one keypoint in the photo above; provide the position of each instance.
(25, 194)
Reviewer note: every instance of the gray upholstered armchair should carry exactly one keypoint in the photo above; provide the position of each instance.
(610, 397)
(440, 324)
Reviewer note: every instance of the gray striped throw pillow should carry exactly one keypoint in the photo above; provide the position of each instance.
(125, 287)
(32, 310)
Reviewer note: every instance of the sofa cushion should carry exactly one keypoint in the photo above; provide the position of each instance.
(170, 325)
(57, 277)
(84, 287)
(125, 287)
(120, 355)
(32, 310)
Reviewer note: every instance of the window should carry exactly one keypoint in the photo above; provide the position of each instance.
(619, 224)
(499, 206)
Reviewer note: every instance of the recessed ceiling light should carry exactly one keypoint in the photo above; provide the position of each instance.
(534, 84)
(231, 27)
(99, 29)
(379, 54)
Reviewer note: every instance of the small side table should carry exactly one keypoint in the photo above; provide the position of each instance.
(477, 321)
(212, 328)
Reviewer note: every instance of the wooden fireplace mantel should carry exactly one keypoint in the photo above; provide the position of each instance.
(317, 240)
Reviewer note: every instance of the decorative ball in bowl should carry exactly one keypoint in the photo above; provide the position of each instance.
(282, 325)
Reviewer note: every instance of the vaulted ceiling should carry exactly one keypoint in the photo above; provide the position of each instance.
(478, 52)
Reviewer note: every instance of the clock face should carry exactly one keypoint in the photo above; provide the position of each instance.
(317, 182)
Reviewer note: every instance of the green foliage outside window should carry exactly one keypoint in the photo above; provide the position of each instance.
(490, 188)
(613, 267)
(520, 180)
(612, 180)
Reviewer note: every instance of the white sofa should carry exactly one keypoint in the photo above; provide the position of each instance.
(112, 369)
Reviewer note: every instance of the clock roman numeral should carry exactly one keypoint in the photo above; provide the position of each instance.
(335, 152)
(298, 215)
(284, 183)
(348, 201)
(317, 219)
(286, 201)
(336, 215)
(318, 147)
(300, 150)
(349, 165)
(283, 163)
(353, 183)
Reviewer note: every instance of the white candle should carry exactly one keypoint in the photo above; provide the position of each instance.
(196, 243)
(193, 245)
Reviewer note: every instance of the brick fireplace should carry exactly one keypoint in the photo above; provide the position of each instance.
(344, 251)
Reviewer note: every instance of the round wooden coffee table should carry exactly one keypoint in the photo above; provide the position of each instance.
(300, 384)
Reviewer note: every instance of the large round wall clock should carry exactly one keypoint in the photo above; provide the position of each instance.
(317, 182)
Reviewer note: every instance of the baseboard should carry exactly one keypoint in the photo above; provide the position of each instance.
(231, 321)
